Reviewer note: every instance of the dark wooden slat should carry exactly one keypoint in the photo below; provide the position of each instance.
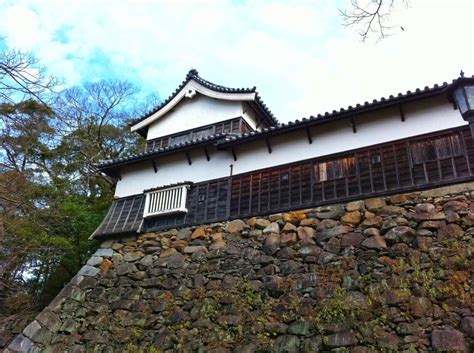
(250, 193)
(217, 198)
(397, 172)
(206, 206)
(240, 195)
(383, 169)
(425, 172)
(371, 178)
(410, 163)
(466, 155)
(128, 215)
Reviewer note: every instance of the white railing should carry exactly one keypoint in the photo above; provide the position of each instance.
(165, 201)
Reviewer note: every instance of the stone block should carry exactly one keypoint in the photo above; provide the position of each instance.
(400, 234)
(236, 226)
(351, 239)
(30, 330)
(449, 231)
(125, 268)
(287, 344)
(168, 252)
(193, 249)
(376, 242)
(301, 328)
(49, 319)
(467, 325)
(21, 344)
(374, 204)
(107, 244)
(272, 228)
(184, 234)
(88, 271)
(104, 253)
(132, 256)
(448, 340)
(353, 218)
(199, 232)
(94, 261)
(355, 206)
(326, 234)
(340, 339)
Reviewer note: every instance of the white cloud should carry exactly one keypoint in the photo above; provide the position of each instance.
(297, 52)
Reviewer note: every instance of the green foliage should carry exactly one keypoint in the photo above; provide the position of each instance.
(52, 197)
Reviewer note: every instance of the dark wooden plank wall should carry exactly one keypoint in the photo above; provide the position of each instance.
(124, 216)
(411, 164)
(383, 169)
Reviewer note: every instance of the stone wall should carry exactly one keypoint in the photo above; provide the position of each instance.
(386, 274)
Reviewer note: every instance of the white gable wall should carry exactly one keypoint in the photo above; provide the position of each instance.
(193, 113)
(422, 117)
(250, 116)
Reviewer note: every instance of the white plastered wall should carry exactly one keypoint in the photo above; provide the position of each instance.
(250, 116)
(422, 117)
(172, 169)
(193, 113)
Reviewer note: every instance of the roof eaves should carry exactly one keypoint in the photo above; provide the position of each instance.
(344, 112)
(114, 163)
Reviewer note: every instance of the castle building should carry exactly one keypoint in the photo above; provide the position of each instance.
(215, 153)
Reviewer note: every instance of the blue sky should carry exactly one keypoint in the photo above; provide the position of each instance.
(297, 53)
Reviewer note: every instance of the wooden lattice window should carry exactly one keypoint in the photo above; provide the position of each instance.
(166, 201)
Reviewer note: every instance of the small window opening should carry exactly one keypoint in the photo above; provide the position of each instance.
(201, 197)
(376, 159)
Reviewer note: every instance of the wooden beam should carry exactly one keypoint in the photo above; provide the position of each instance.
(189, 158)
(233, 154)
(402, 113)
(206, 152)
(308, 132)
(155, 168)
(268, 145)
(353, 124)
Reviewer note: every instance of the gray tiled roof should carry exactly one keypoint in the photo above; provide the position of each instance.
(194, 75)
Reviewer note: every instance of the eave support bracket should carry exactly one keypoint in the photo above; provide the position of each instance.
(206, 152)
(233, 154)
(354, 126)
(153, 163)
(402, 113)
(268, 145)
(308, 133)
(189, 158)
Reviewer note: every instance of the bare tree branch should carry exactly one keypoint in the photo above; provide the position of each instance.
(22, 77)
(371, 17)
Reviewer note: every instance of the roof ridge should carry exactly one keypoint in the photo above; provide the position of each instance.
(358, 108)
(193, 74)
